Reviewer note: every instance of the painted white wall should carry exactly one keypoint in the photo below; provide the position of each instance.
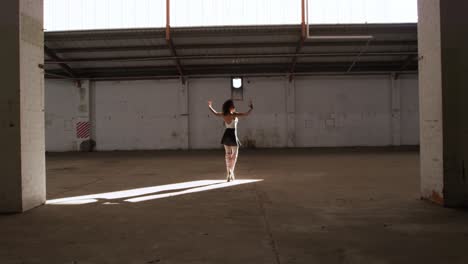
(61, 110)
(409, 110)
(266, 127)
(205, 128)
(343, 111)
(327, 111)
(141, 115)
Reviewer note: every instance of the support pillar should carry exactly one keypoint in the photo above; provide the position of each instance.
(83, 124)
(22, 166)
(396, 110)
(184, 114)
(291, 112)
(443, 82)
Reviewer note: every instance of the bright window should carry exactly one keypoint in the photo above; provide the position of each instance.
(104, 14)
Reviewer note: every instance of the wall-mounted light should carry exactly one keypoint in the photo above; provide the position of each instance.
(237, 88)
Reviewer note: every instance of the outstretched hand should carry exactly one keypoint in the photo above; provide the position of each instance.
(210, 103)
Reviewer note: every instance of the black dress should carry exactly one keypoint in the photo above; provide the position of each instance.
(230, 137)
(230, 134)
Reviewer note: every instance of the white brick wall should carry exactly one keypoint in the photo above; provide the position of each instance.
(310, 112)
(62, 99)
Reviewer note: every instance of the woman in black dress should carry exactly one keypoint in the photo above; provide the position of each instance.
(230, 140)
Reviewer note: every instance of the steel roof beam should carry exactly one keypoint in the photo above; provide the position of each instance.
(220, 75)
(301, 41)
(294, 60)
(398, 43)
(361, 53)
(395, 65)
(177, 60)
(229, 56)
(68, 70)
(229, 31)
(169, 42)
(408, 61)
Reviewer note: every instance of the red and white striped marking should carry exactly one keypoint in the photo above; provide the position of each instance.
(83, 130)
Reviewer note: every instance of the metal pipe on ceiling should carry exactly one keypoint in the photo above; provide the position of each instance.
(200, 76)
(168, 20)
(170, 44)
(230, 56)
(303, 20)
(350, 37)
(325, 43)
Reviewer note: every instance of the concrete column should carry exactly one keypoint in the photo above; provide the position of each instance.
(83, 120)
(396, 110)
(184, 114)
(22, 166)
(92, 109)
(291, 112)
(443, 82)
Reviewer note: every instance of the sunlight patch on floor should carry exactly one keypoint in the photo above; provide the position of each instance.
(223, 184)
(149, 193)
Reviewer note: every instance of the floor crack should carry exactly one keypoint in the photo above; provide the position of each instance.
(261, 206)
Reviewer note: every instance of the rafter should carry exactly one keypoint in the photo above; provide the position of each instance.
(355, 61)
(408, 61)
(230, 56)
(68, 70)
(292, 68)
(300, 44)
(169, 42)
(177, 60)
(203, 46)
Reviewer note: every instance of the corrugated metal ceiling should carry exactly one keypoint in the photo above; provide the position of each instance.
(241, 50)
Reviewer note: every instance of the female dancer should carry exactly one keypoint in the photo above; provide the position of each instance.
(230, 141)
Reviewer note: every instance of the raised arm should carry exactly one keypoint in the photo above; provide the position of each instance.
(246, 113)
(210, 106)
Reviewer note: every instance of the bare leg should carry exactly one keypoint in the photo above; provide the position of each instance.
(235, 153)
(228, 157)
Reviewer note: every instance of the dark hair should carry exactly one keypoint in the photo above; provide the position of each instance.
(227, 106)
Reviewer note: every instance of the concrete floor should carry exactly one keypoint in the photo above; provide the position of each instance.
(313, 206)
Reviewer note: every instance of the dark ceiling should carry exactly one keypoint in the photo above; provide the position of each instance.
(230, 50)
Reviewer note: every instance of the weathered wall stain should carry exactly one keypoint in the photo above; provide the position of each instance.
(436, 198)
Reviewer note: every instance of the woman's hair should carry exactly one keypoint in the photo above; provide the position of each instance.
(227, 106)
